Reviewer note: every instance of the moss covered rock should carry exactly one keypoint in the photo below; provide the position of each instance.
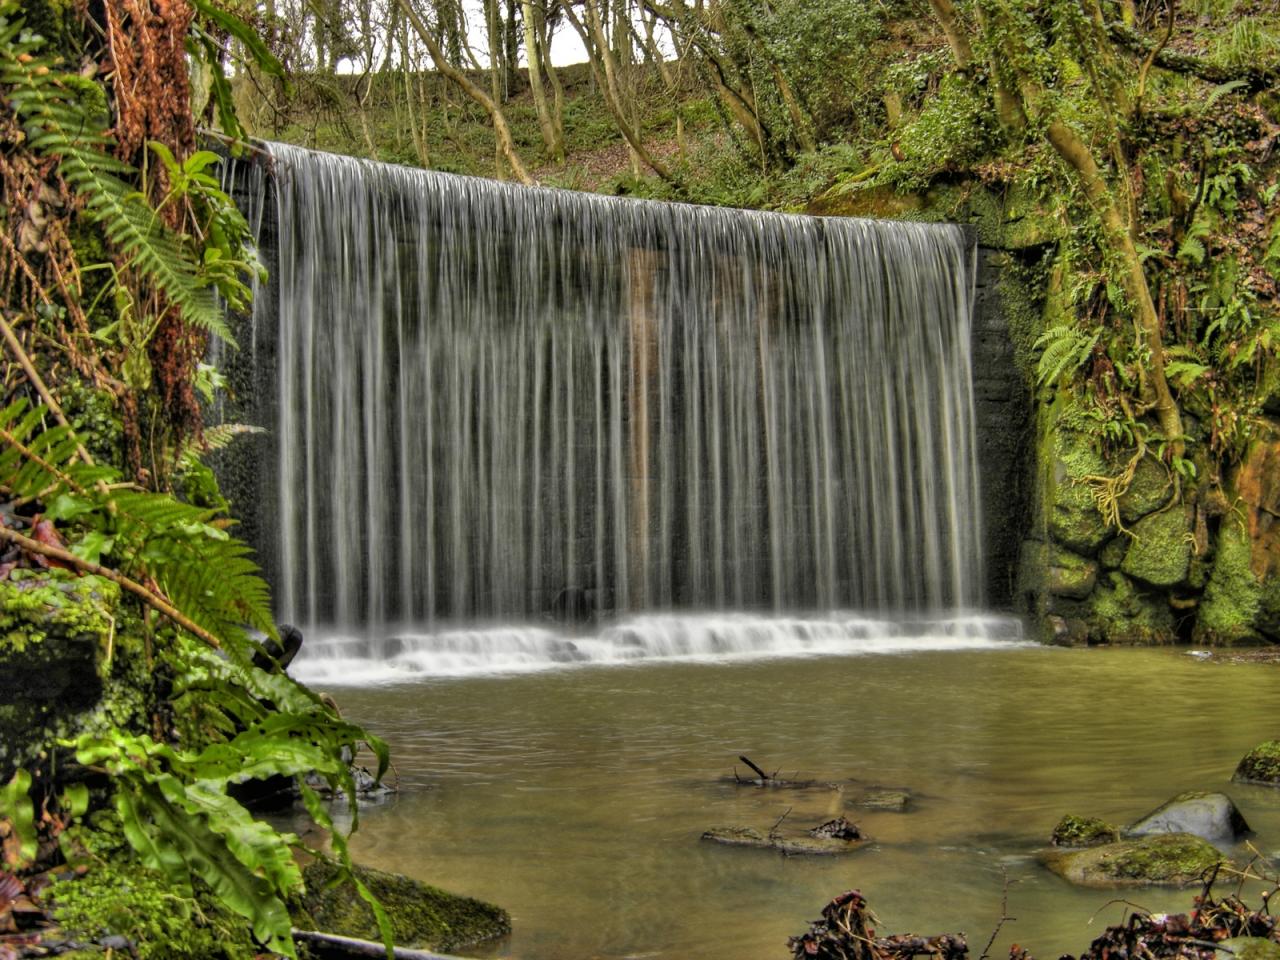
(1073, 831)
(1160, 551)
(1150, 489)
(1167, 859)
(1233, 596)
(1070, 575)
(1260, 765)
(421, 915)
(70, 663)
(1071, 516)
(1127, 613)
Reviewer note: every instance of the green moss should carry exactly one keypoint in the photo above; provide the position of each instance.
(1169, 859)
(1073, 831)
(1070, 575)
(37, 604)
(1261, 764)
(1150, 489)
(1066, 456)
(1232, 597)
(71, 662)
(1122, 612)
(120, 897)
(1160, 552)
(421, 915)
(1112, 553)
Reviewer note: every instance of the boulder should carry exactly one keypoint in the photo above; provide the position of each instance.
(1150, 489)
(1260, 765)
(421, 915)
(1072, 517)
(1073, 831)
(1160, 551)
(1124, 612)
(1210, 816)
(1070, 575)
(1165, 859)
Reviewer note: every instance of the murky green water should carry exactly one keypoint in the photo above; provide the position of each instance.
(576, 798)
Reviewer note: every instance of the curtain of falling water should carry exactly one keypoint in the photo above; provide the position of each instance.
(488, 395)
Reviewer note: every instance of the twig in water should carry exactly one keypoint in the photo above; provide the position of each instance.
(1004, 916)
(777, 823)
(1128, 903)
(759, 773)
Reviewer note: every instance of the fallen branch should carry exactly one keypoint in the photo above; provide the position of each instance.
(328, 946)
(759, 773)
(152, 599)
(1258, 77)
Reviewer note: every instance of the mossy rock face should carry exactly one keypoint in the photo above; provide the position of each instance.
(1070, 575)
(421, 915)
(1071, 516)
(1167, 859)
(1150, 489)
(1260, 765)
(1112, 553)
(1073, 831)
(1232, 598)
(1160, 552)
(70, 663)
(1258, 486)
(1124, 613)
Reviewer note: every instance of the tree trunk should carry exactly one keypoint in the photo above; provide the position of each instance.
(552, 137)
(505, 145)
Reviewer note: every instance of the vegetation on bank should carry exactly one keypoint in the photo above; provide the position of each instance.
(137, 698)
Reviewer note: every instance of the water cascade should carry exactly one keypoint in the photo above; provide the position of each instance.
(491, 403)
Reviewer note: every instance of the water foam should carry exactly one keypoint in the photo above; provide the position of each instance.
(335, 658)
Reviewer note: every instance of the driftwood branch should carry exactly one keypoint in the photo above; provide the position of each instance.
(1256, 77)
(759, 773)
(151, 598)
(328, 946)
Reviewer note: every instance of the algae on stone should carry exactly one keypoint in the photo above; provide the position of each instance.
(1073, 831)
(1070, 575)
(1166, 859)
(1160, 551)
(1122, 612)
(421, 915)
(1233, 596)
(1260, 765)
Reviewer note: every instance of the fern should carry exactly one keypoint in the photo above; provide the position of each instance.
(1065, 350)
(58, 124)
(175, 805)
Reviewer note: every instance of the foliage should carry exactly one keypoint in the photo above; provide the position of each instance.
(174, 803)
(58, 122)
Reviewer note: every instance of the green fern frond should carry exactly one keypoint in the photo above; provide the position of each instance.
(1065, 350)
(58, 124)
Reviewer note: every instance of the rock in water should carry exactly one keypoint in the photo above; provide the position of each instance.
(1166, 859)
(1260, 765)
(1210, 816)
(1073, 831)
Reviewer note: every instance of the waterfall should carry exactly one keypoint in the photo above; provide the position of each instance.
(489, 402)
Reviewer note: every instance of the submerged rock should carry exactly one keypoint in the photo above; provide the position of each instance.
(1073, 831)
(833, 837)
(1210, 816)
(1260, 765)
(421, 915)
(1166, 859)
(882, 798)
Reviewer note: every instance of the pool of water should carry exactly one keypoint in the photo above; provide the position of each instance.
(575, 796)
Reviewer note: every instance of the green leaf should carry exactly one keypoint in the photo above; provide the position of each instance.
(17, 808)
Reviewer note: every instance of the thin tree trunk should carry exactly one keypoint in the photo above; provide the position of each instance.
(505, 145)
(552, 137)
(601, 60)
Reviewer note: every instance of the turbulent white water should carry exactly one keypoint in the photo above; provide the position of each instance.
(336, 658)
(493, 403)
